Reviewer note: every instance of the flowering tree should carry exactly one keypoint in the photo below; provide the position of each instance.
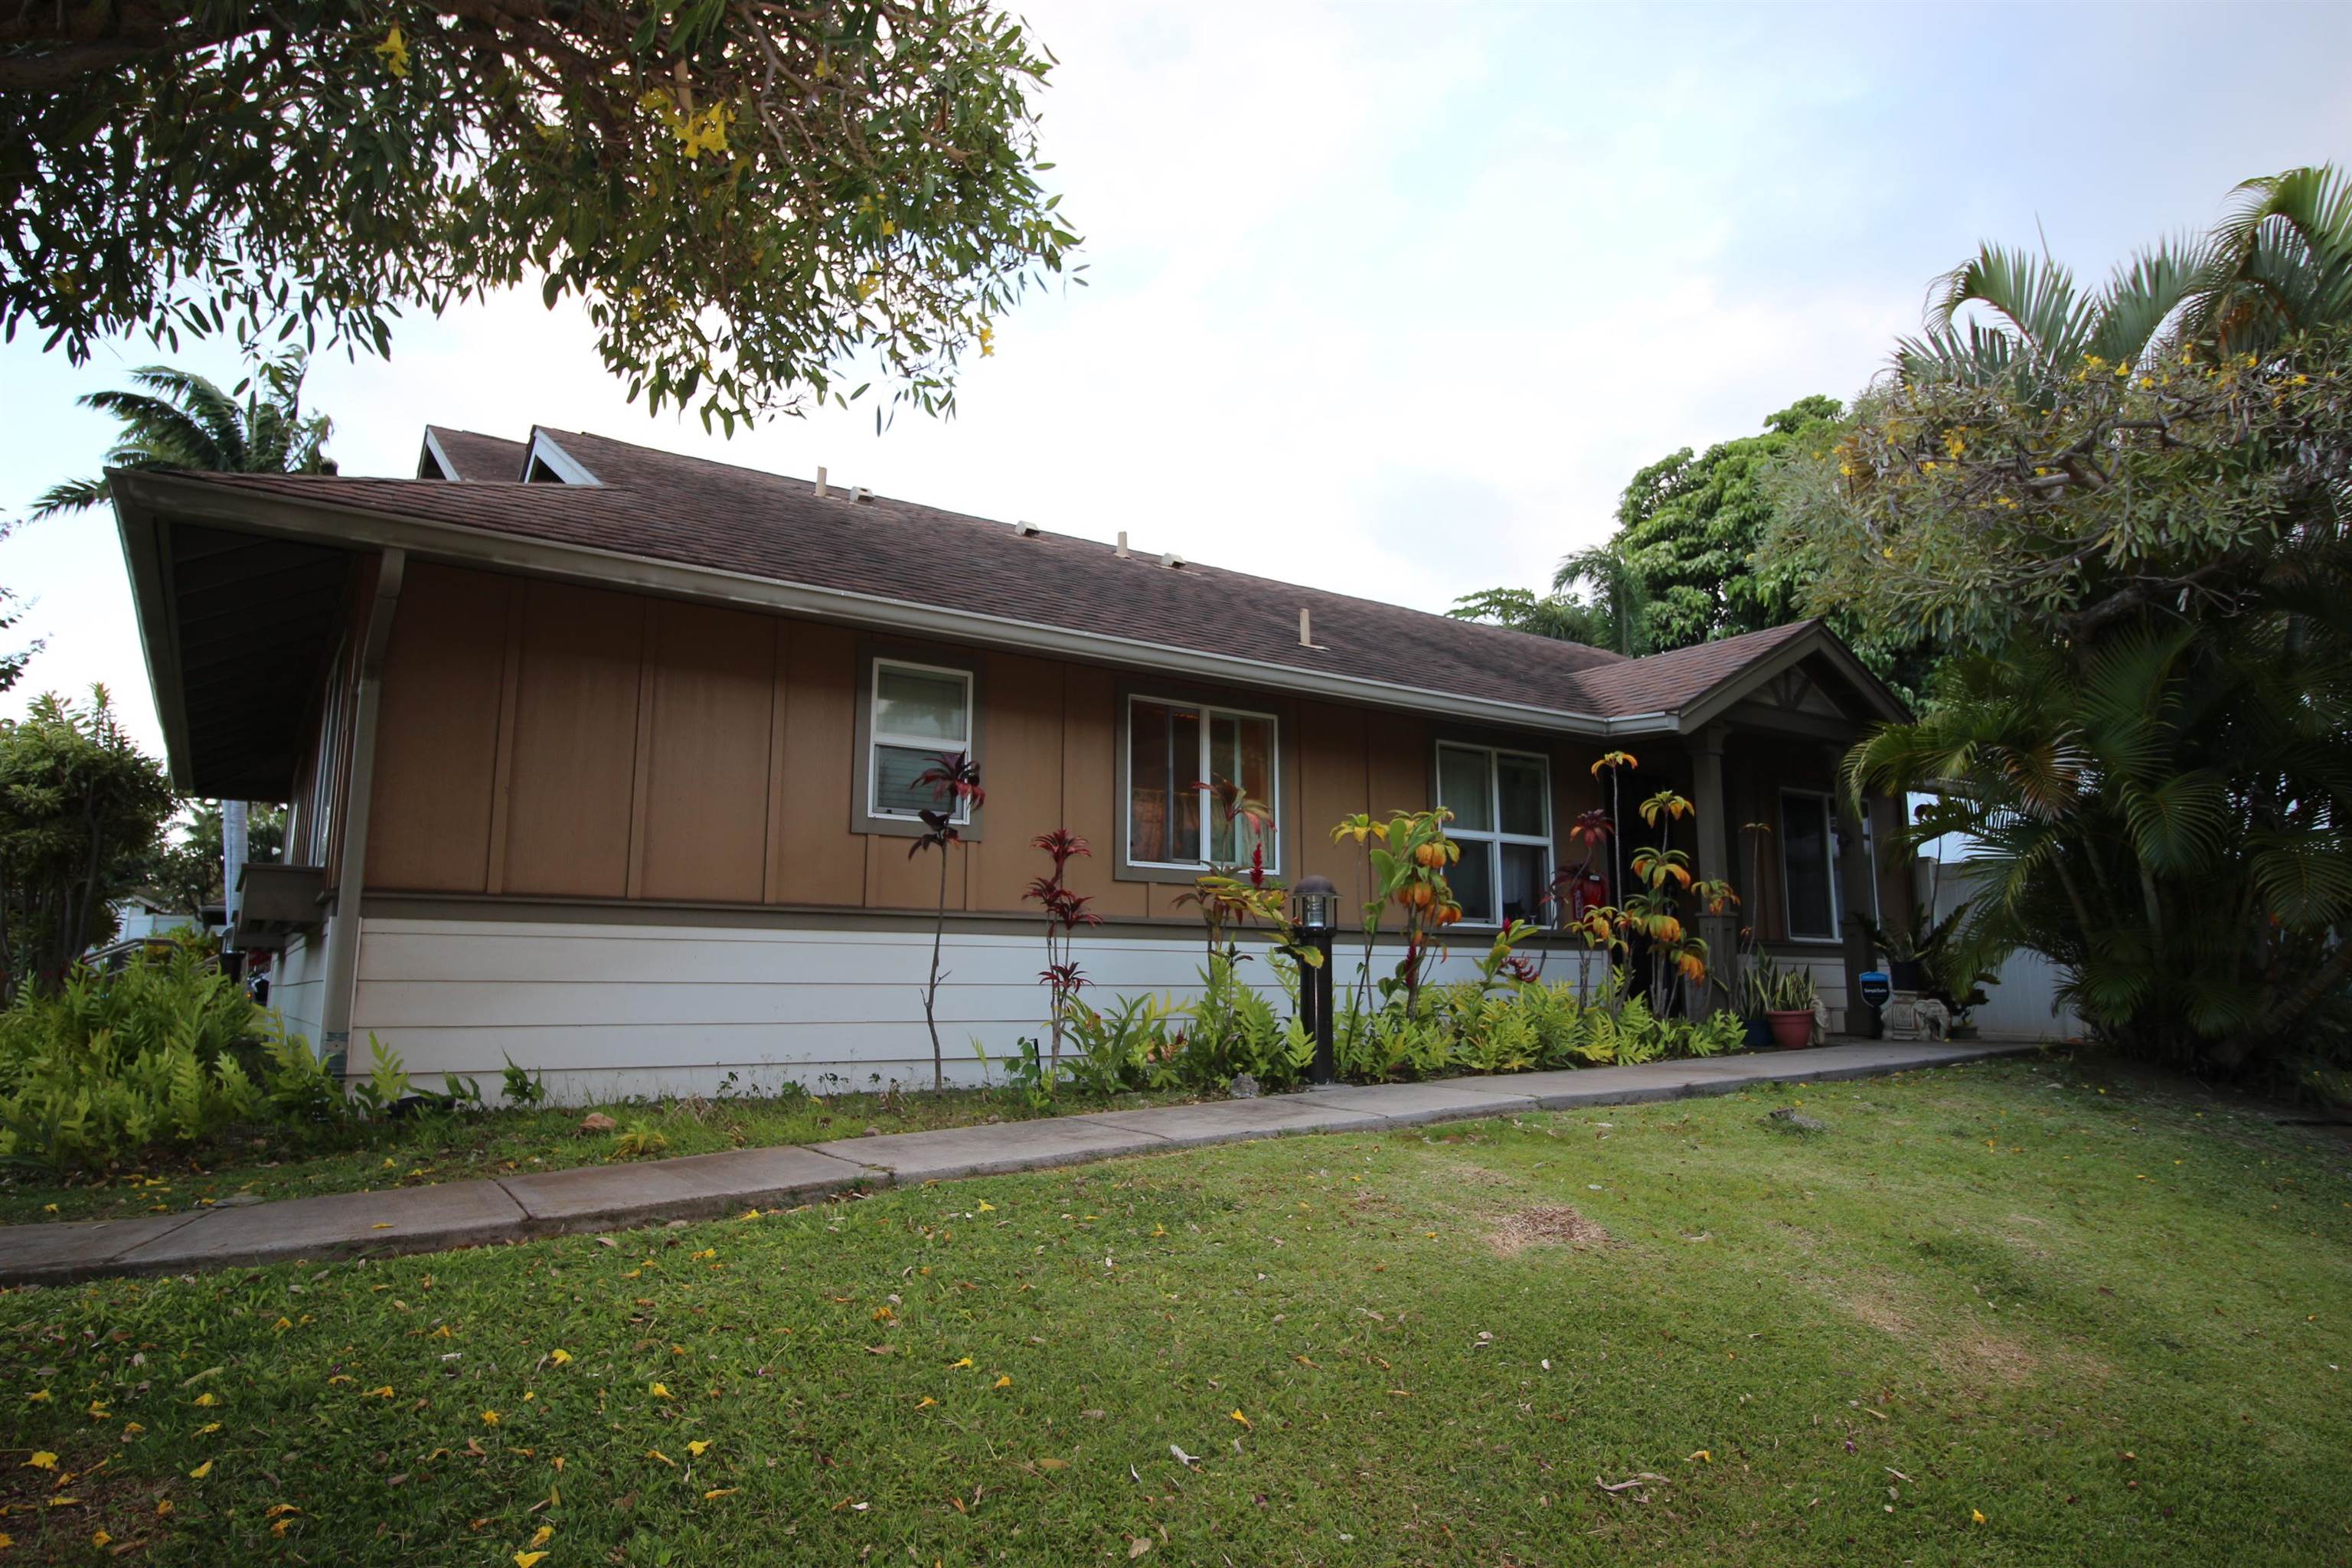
(745, 197)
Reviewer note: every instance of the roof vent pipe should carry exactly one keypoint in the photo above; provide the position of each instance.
(862, 495)
(820, 483)
(1028, 530)
(1306, 628)
(1122, 544)
(1171, 560)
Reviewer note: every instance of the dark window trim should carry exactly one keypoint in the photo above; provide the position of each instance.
(871, 650)
(1494, 744)
(1828, 802)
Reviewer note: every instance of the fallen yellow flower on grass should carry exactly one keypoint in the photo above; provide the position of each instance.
(38, 1396)
(658, 1390)
(208, 1399)
(489, 1417)
(100, 1538)
(383, 1392)
(1976, 1516)
(525, 1559)
(925, 1403)
(208, 1428)
(42, 1461)
(278, 1511)
(1002, 1382)
(1237, 1415)
(200, 1471)
(1703, 1456)
(987, 1207)
(717, 1492)
(697, 1446)
(542, 1535)
(959, 1361)
(560, 1358)
(164, 1508)
(665, 1458)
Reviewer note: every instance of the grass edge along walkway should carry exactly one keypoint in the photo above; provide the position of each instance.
(702, 1186)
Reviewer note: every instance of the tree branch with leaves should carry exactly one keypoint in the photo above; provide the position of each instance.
(754, 201)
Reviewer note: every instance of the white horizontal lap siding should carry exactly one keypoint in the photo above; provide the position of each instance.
(615, 1010)
(298, 986)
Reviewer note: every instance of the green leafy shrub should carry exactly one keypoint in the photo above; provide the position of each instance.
(640, 1140)
(167, 1051)
(1112, 1049)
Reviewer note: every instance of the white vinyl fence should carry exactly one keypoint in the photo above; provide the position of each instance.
(2024, 1005)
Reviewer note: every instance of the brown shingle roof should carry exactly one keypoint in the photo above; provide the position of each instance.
(695, 512)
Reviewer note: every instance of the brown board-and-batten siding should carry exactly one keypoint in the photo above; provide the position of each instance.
(615, 838)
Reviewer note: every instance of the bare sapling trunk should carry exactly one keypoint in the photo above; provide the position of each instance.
(931, 990)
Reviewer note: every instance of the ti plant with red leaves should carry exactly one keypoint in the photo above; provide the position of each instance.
(1065, 911)
(954, 784)
(1581, 888)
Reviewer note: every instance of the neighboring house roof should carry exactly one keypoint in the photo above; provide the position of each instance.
(636, 516)
(468, 455)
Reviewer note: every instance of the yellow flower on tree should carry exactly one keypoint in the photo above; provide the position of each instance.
(393, 53)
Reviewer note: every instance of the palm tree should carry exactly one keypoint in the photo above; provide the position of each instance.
(1618, 609)
(2278, 264)
(181, 420)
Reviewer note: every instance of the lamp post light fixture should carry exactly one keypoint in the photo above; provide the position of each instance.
(1315, 910)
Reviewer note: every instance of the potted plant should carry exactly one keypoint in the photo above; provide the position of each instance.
(1914, 952)
(1758, 979)
(1789, 1008)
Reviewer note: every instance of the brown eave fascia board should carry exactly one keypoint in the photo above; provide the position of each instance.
(147, 494)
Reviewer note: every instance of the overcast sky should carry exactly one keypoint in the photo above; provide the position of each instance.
(1395, 299)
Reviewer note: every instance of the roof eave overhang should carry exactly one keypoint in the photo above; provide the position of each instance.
(150, 496)
(145, 559)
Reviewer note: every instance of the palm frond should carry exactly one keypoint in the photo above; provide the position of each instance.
(2305, 879)
(74, 495)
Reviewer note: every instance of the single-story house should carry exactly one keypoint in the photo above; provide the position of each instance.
(601, 759)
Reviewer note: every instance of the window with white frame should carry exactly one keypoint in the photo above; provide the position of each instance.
(922, 713)
(1177, 756)
(1809, 889)
(1501, 802)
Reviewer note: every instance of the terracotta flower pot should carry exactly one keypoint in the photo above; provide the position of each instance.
(1791, 1031)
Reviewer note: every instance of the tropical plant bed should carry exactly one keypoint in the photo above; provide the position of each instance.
(1985, 1314)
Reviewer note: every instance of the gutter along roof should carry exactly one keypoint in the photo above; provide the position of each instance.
(632, 516)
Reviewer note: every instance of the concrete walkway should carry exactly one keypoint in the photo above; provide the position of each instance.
(612, 1197)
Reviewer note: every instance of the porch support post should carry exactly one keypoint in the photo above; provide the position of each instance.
(1712, 862)
(1854, 873)
(344, 934)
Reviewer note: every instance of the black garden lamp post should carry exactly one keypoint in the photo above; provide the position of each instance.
(1315, 908)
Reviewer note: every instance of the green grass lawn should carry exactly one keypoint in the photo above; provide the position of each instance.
(2112, 1324)
(422, 1151)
